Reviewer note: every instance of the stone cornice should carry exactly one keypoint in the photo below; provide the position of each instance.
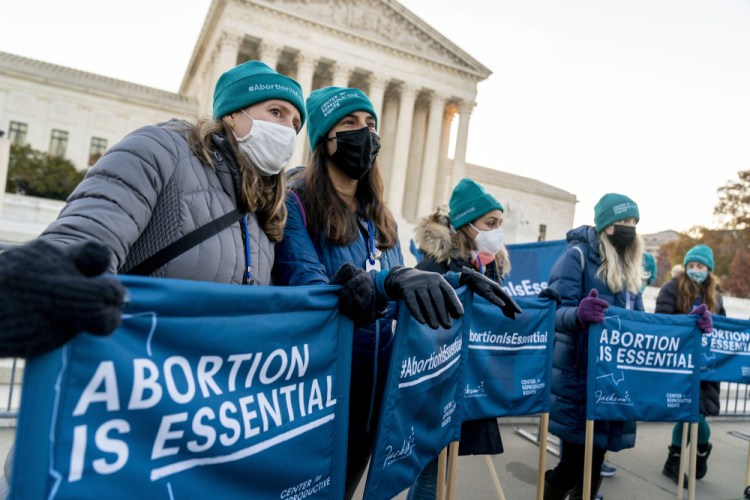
(90, 83)
(517, 183)
(474, 69)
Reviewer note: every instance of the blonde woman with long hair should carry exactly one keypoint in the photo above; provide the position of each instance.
(602, 266)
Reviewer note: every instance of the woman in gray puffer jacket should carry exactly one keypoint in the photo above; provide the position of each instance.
(158, 185)
(163, 182)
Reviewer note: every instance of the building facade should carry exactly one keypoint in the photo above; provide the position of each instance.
(421, 84)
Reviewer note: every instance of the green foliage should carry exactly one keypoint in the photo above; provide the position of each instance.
(36, 173)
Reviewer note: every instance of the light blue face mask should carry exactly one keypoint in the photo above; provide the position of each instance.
(697, 276)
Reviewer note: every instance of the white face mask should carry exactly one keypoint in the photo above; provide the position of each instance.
(488, 241)
(269, 146)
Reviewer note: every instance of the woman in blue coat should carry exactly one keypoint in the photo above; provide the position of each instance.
(337, 221)
(602, 266)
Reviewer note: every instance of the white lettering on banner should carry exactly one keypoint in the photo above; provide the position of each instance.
(526, 288)
(475, 392)
(644, 352)
(448, 411)
(532, 386)
(210, 428)
(437, 363)
(394, 455)
(675, 400)
(306, 488)
(507, 341)
(728, 342)
(613, 399)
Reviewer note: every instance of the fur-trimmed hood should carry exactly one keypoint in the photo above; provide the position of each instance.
(433, 237)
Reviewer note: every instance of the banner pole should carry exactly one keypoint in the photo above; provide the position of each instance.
(693, 456)
(543, 455)
(495, 479)
(747, 472)
(588, 459)
(681, 467)
(452, 465)
(441, 474)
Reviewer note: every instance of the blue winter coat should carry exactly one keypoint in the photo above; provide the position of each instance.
(303, 260)
(570, 355)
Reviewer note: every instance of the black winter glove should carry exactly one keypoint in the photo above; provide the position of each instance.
(428, 296)
(488, 289)
(48, 295)
(357, 297)
(550, 294)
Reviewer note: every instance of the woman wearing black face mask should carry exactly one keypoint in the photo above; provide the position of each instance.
(602, 266)
(337, 217)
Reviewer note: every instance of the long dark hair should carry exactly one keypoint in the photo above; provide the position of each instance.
(328, 213)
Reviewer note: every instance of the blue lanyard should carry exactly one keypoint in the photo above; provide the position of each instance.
(248, 271)
(627, 300)
(371, 245)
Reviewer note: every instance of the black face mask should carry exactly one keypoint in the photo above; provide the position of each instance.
(622, 237)
(356, 151)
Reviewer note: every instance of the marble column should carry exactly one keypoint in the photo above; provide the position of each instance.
(443, 178)
(225, 59)
(4, 164)
(341, 74)
(416, 157)
(376, 92)
(427, 180)
(305, 71)
(270, 53)
(401, 150)
(459, 158)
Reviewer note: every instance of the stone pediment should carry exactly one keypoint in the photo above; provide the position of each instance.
(386, 22)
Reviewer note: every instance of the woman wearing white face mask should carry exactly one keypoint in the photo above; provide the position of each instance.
(470, 236)
(161, 183)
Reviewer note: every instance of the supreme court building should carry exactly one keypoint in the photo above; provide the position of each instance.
(419, 82)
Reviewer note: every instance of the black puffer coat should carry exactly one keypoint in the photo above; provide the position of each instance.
(666, 303)
(478, 437)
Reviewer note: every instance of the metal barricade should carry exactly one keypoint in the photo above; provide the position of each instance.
(11, 377)
(734, 400)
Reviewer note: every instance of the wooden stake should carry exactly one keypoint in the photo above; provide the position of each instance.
(588, 459)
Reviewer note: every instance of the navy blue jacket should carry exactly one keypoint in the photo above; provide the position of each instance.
(302, 260)
(573, 276)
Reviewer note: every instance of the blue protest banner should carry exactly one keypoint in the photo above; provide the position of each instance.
(532, 263)
(644, 367)
(510, 361)
(205, 390)
(726, 351)
(421, 413)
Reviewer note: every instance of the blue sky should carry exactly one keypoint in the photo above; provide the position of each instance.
(650, 98)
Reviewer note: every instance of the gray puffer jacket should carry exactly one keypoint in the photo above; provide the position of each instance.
(148, 191)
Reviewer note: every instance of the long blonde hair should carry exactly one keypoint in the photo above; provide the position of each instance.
(262, 195)
(621, 271)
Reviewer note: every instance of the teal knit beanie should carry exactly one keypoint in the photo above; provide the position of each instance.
(702, 254)
(328, 105)
(469, 201)
(613, 207)
(253, 82)
(649, 265)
